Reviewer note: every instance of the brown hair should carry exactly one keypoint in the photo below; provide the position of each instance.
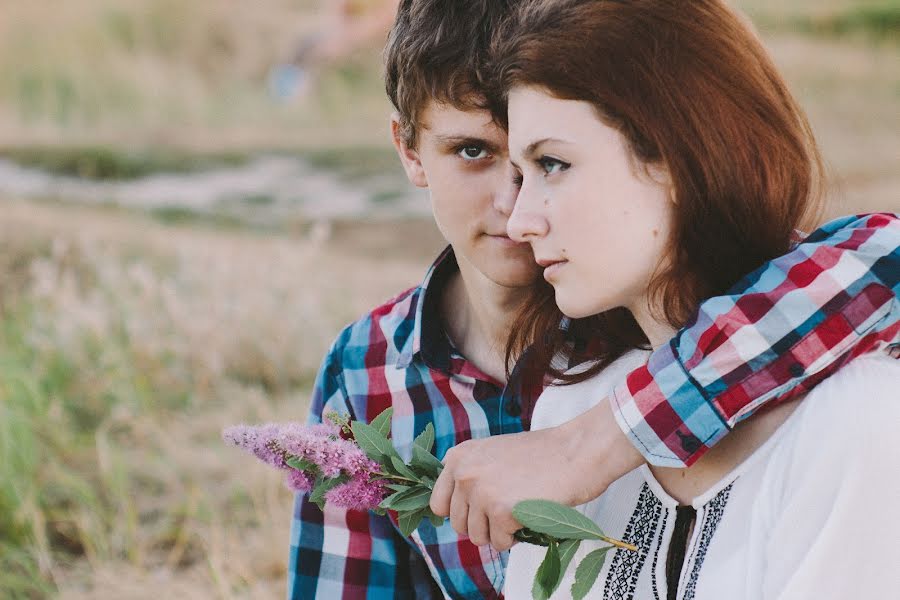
(691, 88)
(437, 51)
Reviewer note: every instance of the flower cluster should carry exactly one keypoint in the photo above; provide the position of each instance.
(354, 465)
(314, 453)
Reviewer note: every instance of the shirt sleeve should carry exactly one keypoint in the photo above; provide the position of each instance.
(338, 553)
(775, 334)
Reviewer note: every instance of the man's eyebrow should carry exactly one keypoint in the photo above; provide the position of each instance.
(459, 140)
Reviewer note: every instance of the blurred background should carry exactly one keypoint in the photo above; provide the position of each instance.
(194, 198)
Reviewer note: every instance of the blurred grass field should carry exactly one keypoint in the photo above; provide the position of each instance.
(127, 341)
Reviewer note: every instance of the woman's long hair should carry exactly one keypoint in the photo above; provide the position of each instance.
(690, 87)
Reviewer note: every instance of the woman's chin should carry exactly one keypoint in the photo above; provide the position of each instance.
(574, 309)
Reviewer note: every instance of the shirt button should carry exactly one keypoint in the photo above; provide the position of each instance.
(796, 370)
(689, 443)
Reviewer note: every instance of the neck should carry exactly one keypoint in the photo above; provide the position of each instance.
(478, 317)
(658, 332)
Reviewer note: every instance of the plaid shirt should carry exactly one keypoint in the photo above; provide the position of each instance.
(783, 329)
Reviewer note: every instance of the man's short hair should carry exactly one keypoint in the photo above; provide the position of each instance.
(437, 51)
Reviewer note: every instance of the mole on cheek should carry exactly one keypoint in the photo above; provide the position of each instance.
(546, 201)
(656, 233)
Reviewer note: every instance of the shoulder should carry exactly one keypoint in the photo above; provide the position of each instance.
(851, 420)
(561, 403)
(376, 338)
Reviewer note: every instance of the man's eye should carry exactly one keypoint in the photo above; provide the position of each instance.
(552, 165)
(473, 153)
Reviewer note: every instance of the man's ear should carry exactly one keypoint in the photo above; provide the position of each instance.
(409, 157)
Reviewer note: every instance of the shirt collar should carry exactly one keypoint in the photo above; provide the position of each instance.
(429, 341)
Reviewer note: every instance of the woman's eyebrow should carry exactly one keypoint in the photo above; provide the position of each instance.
(532, 149)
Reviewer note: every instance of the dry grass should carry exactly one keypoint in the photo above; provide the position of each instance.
(165, 72)
(142, 343)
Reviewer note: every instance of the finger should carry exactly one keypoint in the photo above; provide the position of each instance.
(503, 528)
(459, 512)
(442, 493)
(479, 527)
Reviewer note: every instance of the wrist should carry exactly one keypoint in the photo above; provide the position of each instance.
(600, 450)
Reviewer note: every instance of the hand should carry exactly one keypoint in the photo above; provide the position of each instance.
(572, 464)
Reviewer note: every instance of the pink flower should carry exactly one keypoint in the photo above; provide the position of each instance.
(298, 481)
(357, 494)
(257, 440)
(320, 445)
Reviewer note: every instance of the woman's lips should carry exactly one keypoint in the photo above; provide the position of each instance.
(551, 267)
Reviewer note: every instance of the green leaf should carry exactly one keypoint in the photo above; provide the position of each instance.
(415, 498)
(401, 468)
(436, 521)
(323, 486)
(558, 520)
(382, 423)
(301, 464)
(532, 537)
(425, 440)
(397, 487)
(548, 574)
(587, 572)
(567, 550)
(426, 462)
(373, 443)
(409, 521)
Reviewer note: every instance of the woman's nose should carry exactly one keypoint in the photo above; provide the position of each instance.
(527, 220)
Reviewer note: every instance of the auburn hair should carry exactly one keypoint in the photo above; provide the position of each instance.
(691, 88)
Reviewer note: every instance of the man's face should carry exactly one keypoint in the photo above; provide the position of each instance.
(462, 158)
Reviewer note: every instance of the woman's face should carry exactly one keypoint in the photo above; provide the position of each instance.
(597, 221)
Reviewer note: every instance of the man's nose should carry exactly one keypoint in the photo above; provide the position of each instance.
(507, 191)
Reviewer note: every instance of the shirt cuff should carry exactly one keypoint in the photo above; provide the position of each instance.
(665, 413)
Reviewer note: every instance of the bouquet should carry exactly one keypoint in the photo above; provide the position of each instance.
(354, 465)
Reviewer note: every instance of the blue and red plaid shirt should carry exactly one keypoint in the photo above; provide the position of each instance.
(781, 330)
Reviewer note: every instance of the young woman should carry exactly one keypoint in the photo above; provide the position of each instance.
(661, 158)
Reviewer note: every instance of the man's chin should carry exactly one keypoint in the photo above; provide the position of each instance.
(517, 274)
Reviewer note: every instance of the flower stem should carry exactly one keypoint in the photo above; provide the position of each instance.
(619, 543)
(397, 478)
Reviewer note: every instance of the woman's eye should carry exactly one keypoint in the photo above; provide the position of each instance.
(518, 179)
(552, 165)
(473, 153)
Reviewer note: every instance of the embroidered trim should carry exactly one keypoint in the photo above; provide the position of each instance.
(621, 580)
(653, 581)
(711, 518)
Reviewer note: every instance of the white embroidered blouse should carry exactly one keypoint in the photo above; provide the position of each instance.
(797, 520)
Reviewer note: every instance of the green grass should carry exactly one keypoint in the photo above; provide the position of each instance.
(56, 501)
(110, 163)
(881, 22)
(355, 164)
(876, 20)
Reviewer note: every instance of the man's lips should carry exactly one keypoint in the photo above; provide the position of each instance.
(505, 239)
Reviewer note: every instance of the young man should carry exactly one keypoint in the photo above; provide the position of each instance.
(436, 352)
